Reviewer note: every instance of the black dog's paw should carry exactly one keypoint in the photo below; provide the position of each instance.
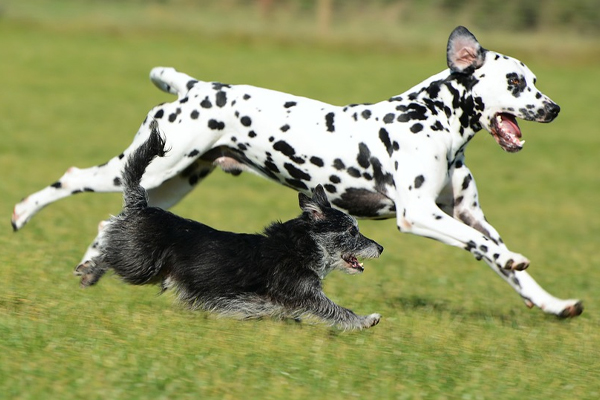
(83, 268)
(371, 320)
(86, 271)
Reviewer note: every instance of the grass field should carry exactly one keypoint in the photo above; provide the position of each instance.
(74, 90)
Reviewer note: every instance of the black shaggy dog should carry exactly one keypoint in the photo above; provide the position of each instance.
(277, 273)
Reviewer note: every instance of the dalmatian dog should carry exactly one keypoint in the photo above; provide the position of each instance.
(402, 157)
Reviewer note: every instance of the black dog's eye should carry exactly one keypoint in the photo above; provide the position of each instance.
(353, 231)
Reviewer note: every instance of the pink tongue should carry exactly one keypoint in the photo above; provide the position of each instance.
(509, 125)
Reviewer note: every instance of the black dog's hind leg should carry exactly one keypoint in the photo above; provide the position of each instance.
(91, 271)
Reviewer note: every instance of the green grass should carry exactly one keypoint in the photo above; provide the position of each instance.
(74, 93)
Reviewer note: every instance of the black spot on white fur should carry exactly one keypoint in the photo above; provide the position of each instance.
(206, 103)
(317, 161)
(283, 147)
(329, 121)
(296, 173)
(363, 155)
(419, 180)
(221, 99)
(384, 136)
(246, 121)
(216, 125)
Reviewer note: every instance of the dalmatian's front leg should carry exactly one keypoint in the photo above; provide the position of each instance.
(429, 222)
(461, 200)
(465, 207)
(418, 213)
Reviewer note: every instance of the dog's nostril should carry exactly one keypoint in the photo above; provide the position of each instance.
(380, 248)
(553, 109)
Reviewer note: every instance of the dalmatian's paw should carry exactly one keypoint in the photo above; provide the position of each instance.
(515, 262)
(572, 310)
(21, 214)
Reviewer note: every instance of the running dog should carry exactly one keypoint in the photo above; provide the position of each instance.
(401, 158)
(277, 273)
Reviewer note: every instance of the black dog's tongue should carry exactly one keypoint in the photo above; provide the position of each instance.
(353, 261)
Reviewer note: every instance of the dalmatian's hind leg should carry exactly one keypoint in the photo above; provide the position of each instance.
(101, 178)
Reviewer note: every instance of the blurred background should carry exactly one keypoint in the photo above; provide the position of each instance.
(395, 23)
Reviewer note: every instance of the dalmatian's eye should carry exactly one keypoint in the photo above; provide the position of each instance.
(515, 81)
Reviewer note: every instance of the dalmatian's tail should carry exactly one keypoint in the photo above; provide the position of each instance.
(172, 81)
(134, 195)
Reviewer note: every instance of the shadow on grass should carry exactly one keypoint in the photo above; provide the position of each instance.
(426, 305)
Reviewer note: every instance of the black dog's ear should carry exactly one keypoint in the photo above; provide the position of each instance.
(315, 206)
(464, 54)
(320, 197)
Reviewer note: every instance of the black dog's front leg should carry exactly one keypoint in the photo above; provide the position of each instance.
(322, 307)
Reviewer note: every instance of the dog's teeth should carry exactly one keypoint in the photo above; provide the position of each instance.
(499, 118)
(360, 264)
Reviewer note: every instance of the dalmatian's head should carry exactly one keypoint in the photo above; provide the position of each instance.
(503, 85)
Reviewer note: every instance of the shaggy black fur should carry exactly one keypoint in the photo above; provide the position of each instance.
(277, 273)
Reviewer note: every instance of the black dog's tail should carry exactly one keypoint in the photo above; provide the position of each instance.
(134, 195)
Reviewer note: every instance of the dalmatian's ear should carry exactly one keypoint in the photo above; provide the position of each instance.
(464, 54)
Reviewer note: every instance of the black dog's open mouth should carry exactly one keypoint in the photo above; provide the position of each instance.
(507, 133)
(352, 263)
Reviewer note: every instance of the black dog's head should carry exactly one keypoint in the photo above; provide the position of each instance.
(337, 235)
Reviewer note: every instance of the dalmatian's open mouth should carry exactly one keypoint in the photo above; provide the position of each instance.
(506, 131)
(352, 264)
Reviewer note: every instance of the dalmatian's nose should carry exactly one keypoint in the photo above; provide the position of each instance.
(552, 110)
